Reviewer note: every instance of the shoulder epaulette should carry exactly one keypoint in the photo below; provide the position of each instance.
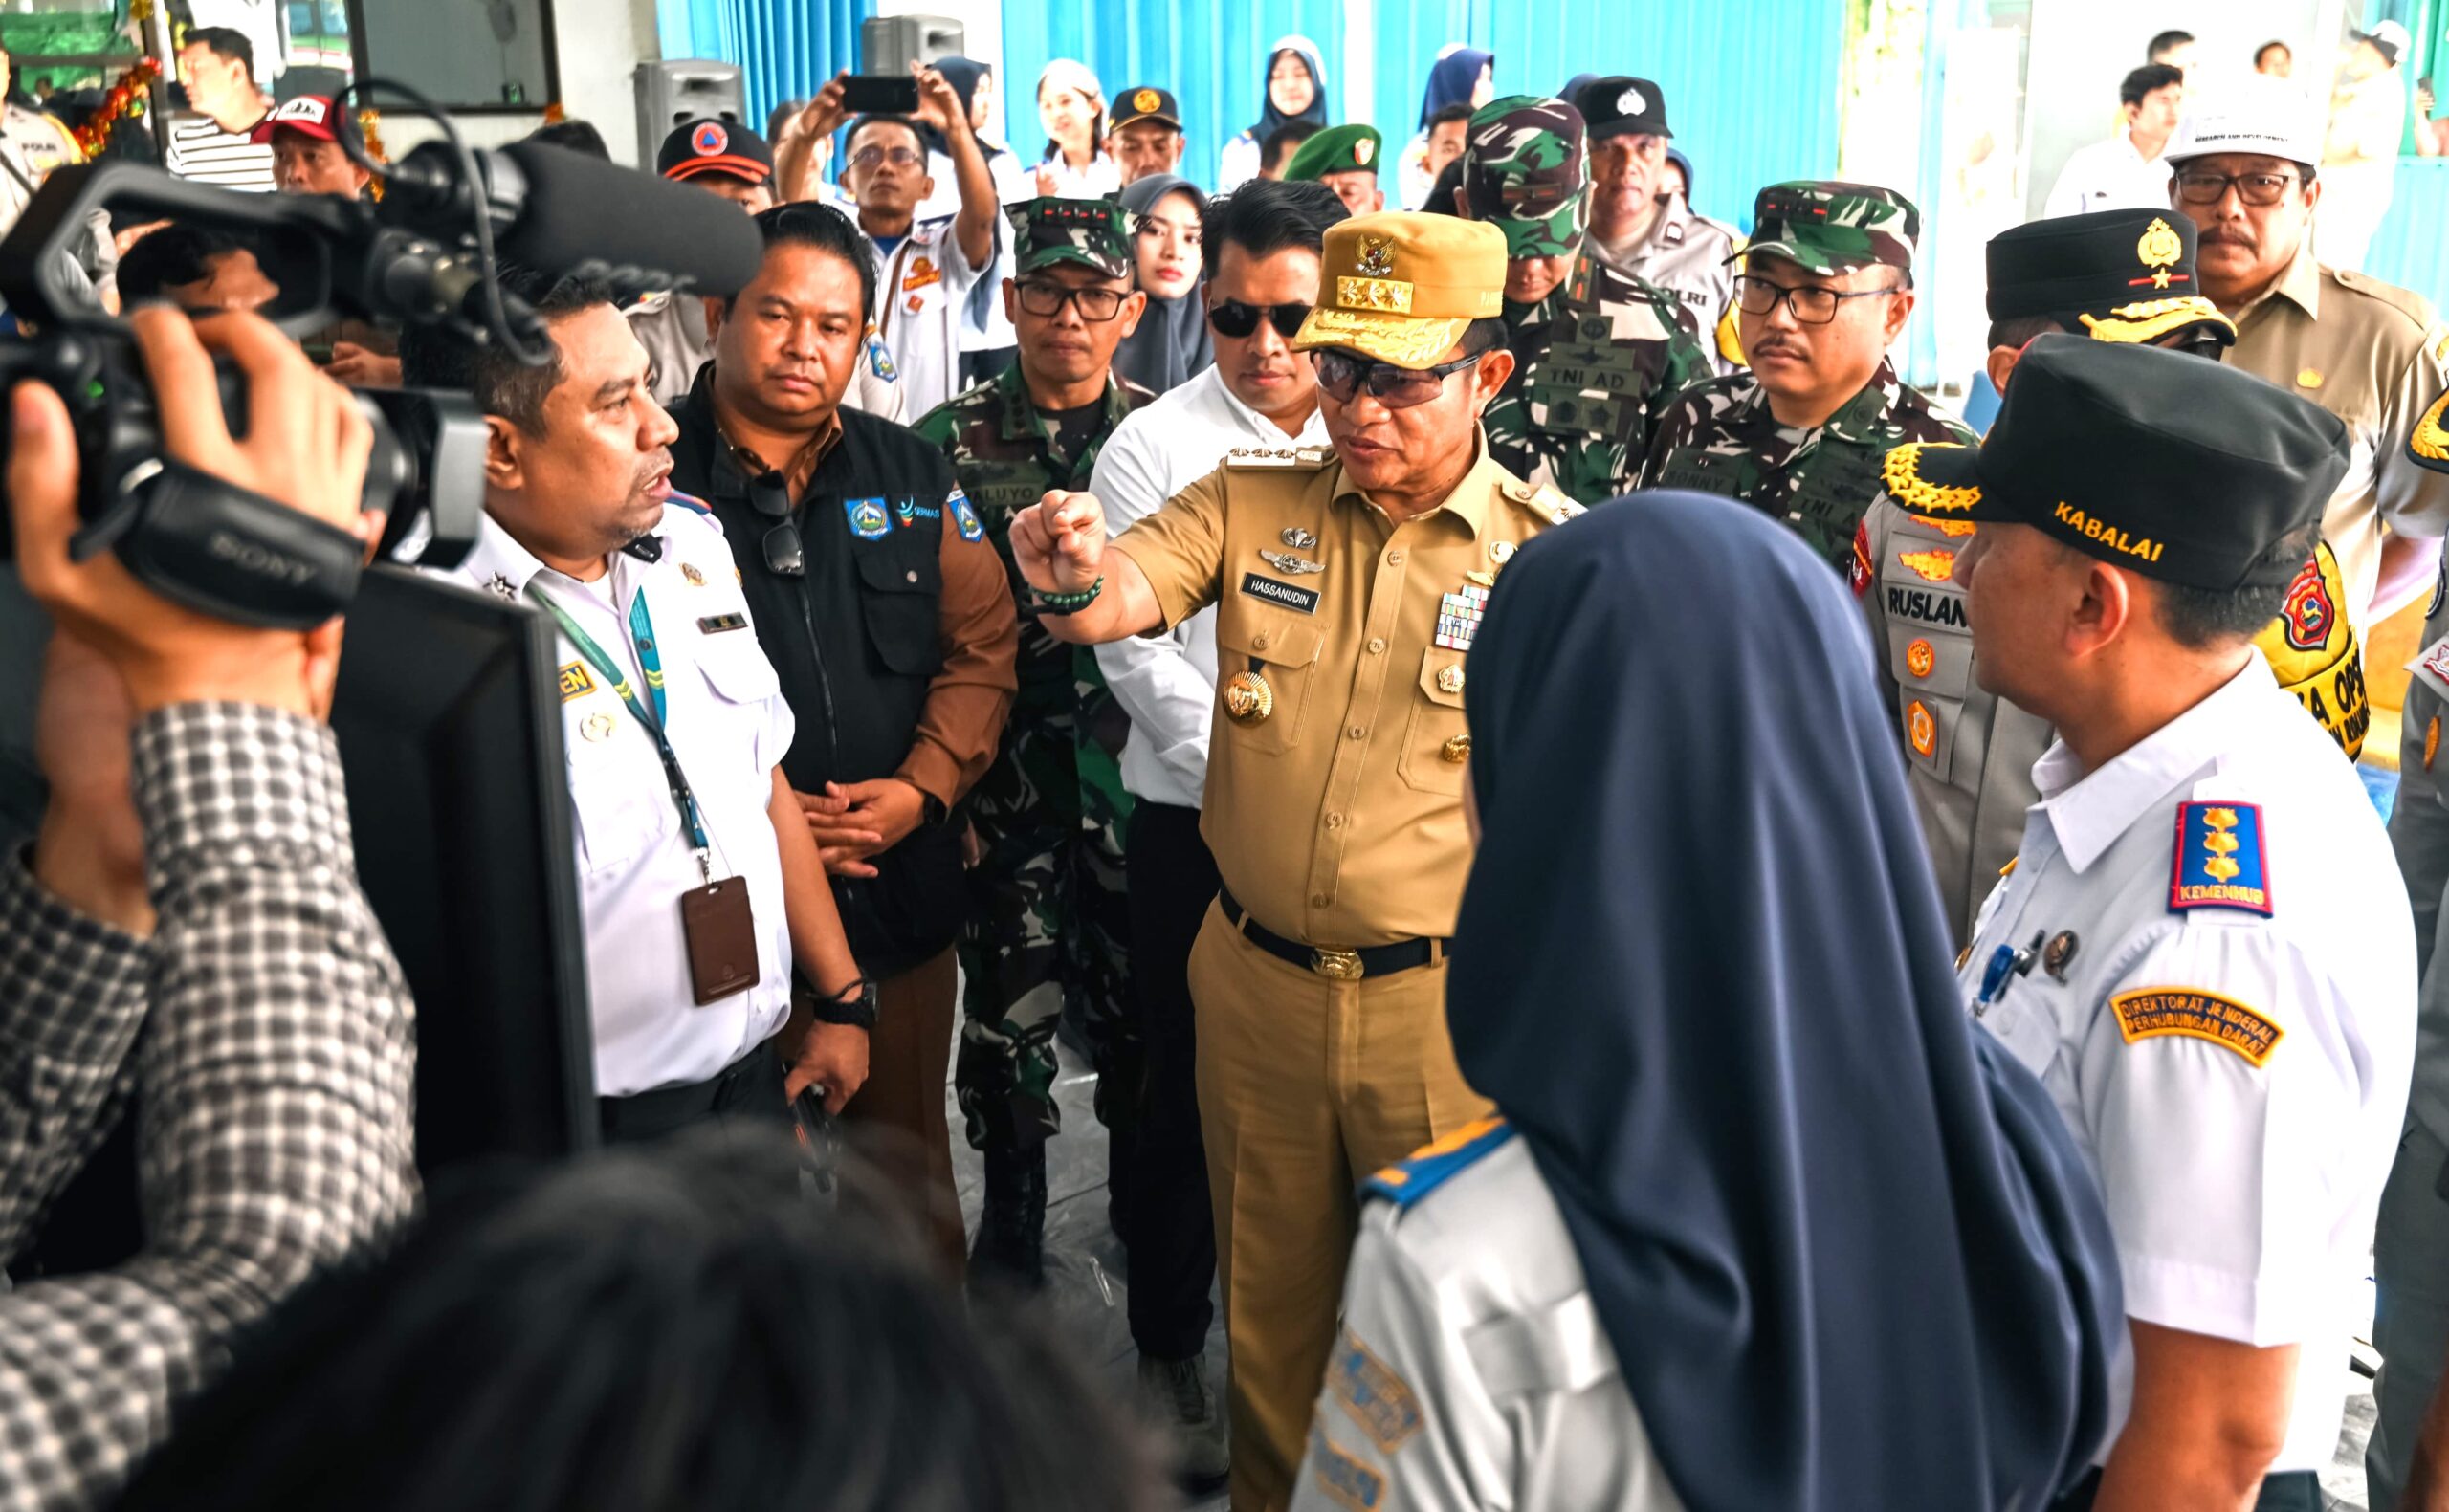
(1543, 501)
(2220, 862)
(2406, 301)
(1407, 1181)
(1281, 457)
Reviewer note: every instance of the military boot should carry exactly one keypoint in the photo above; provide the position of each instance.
(1010, 1248)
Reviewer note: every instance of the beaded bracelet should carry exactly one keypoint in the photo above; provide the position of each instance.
(1068, 603)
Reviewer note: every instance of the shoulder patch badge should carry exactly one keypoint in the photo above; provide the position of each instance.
(576, 683)
(1347, 1483)
(2197, 1015)
(965, 518)
(1859, 574)
(2218, 862)
(1407, 1181)
(1372, 1394)
(870, 519)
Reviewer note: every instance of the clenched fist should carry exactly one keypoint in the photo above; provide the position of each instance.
(1060, 541)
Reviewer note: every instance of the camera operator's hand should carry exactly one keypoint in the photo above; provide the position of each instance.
(90, 851)
(306, 447)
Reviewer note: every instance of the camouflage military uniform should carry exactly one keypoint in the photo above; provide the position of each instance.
(1721, 437)
(1048, 921)
(1598, 361)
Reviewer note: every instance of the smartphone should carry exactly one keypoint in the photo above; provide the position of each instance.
(880, 95)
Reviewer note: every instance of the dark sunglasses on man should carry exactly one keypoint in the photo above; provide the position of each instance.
(1343, 375)
(770, 495)
(1233, 319)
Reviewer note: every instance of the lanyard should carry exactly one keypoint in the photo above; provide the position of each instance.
(642, 635)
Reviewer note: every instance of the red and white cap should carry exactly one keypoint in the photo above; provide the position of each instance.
(309, 115)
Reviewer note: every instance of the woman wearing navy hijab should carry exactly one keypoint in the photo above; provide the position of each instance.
(1765, 1223)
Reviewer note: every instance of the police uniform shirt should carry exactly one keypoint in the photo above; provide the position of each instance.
(1336, 818)
(1686, 254)
(924, 288)
(2371, 354)
(1167, 683)
(1473, 1370)
(729, 725)
(2217, 992)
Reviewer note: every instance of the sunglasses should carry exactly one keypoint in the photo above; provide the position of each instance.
(1235, 319)
(770, 497)
(1344, 374)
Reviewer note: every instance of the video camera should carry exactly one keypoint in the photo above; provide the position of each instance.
(425, 253)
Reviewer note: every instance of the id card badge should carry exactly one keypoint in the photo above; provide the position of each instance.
(722, 934)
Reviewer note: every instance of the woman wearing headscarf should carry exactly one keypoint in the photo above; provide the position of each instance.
(1461, 76)
(1765, 1222)
(1072, 106)
(1170, 346)
(1296, 89)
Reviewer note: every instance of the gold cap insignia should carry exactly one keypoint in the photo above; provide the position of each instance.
(1363, 150)
(1377, 256)
(2159, 248)
(1148, 99)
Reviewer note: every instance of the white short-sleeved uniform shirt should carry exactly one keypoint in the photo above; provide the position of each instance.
(2217, 988)
(729, 725)
(923, 286)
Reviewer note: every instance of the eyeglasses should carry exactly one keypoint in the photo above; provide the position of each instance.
(1235, 319)
(1344, 374)
(770, 495)
(898, 157)
(1096, 305)
(1811, 305)
(2260, 190)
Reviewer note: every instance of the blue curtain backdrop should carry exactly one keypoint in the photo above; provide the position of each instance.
(785, 49)
(1752, 86)
(1211, 53)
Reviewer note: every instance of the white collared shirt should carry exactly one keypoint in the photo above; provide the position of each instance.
(729, 725)
(2241, 1173)
(1167, 683)
(2111, 175)
(923, 286)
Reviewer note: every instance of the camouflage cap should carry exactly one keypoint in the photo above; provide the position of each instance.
(1828, 227)
(1094, 234)
(1523, 173)
(1338, 149)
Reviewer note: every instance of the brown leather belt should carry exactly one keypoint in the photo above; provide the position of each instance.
(1342, 966)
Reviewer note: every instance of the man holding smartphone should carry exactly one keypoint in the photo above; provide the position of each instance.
(931, 269)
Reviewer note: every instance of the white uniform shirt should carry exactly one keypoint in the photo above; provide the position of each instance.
(1473, 1370)
(1167, 683)
(923, 287)
(2110, 175)
(2241, 1171)
(729, 725)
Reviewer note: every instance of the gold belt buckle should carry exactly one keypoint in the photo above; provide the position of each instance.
(1342, 966)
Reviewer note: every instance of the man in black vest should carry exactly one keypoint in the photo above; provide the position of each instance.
(886, 613)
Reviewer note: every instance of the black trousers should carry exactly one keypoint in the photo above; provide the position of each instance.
(746, 1098)
(2296, 1491)
(1168, 1228)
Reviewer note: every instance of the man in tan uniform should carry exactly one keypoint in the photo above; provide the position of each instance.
(2368, 352)
(1348, 585)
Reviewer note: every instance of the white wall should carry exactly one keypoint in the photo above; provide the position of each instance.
(2081, 49)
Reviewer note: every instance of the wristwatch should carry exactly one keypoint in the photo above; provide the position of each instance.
(854, 1006)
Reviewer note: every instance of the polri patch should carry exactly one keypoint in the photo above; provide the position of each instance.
(2196, 1014)
(1347, 1483)
(717, 623)
(1284, 594)
(965, 518)
(2218, 863)
(870, 519)
(575, 681)
(1373, 1395)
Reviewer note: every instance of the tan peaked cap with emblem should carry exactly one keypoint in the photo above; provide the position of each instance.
(1403, 286)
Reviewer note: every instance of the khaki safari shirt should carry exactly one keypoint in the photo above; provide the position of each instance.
(1336, 818)
(2370, 353)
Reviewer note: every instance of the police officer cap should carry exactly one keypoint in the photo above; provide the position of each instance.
(2115, 275)
(2174, 467)
(1620, 106)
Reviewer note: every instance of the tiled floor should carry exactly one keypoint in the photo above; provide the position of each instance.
(1088, 1279)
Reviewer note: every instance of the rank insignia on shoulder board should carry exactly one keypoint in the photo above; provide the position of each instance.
(2218, 862)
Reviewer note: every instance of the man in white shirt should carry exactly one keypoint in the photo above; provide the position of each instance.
(2127, 172)
(929, 271)
(1262, 242)
(699, 885)
(2203, 948)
